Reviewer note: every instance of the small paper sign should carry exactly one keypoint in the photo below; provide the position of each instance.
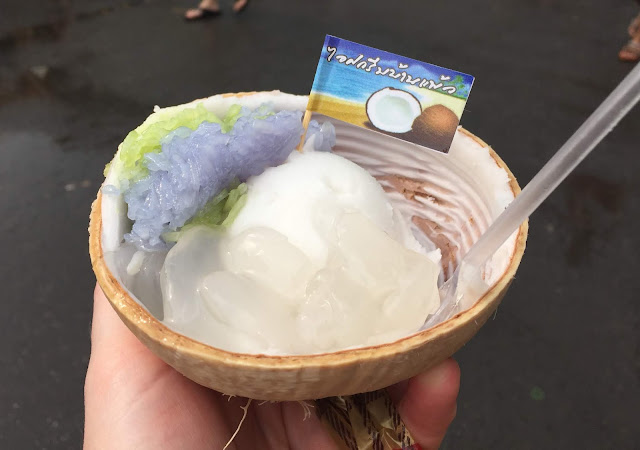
(388, 93)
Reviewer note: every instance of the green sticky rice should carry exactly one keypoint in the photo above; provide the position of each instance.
(147, 137)
(219, 212)
(230, 119)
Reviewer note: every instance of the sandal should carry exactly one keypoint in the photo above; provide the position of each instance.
(630, 52)
(238, 10)
(201, 14)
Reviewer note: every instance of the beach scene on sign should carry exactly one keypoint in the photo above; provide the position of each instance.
(391, 94)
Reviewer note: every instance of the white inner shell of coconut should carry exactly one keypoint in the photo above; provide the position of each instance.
(449, 200)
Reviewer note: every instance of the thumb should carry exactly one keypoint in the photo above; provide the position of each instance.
(428, 405)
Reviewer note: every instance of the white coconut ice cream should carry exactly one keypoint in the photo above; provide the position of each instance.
(303, 198)
(316, 261)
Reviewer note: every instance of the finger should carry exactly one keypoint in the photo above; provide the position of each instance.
(132, 396)
(113, 346)
(107, 330)
(428, 405)
(110, 384)
(115, 351)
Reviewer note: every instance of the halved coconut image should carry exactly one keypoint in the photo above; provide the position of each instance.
(399, 114)
(392, 110)
(262, 271)
(435, 128)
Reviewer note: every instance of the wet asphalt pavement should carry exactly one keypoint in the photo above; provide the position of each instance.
(558, 367)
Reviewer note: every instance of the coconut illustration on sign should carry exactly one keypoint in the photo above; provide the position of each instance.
(392, 110)
(399, 114)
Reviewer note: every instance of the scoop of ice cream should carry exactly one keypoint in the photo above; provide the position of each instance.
(302, 199)
(316, 261)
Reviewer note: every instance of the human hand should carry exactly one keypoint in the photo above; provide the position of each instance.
(134, 400)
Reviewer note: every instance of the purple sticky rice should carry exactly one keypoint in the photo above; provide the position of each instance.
(192, 167)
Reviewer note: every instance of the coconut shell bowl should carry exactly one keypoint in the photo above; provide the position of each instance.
(448, 198)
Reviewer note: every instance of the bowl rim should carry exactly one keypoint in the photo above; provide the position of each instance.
(140, 320)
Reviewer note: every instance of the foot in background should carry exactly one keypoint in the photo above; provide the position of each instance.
(631, 51)
(206, 9)
(240, 6)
